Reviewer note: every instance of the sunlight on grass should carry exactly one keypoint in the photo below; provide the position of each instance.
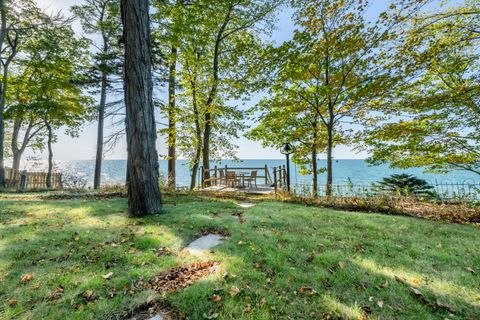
(339, 309)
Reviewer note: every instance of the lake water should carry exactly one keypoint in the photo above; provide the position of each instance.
(357, 172)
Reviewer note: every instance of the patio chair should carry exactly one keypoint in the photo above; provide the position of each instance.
(251, 178)
(216, 180)
(231, 178)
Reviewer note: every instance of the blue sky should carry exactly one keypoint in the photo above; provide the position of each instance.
(83, 147)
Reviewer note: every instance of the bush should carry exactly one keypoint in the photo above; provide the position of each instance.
(405, 185)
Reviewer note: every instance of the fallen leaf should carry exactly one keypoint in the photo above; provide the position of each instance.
(342, 265)
(380, 303)
(470, 270)
(304, 290)
(415, 281)
(27, 278)
(89, 295)
(12, 302)
(107, 276)
(234, 291)
(150, 299)
(216, 298)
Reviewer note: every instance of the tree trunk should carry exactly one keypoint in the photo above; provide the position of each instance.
(3, 34)
(328, 190)
(101, 120)
(50, 154)
(198, 132)
(314, 162)
(172, 133)
(143, 187)
(206, 149)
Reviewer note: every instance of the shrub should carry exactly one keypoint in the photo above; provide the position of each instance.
(404, 185)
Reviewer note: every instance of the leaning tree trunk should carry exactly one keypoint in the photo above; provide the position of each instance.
(172, 134)
(101, 121)
(143, 187)
(50, 154)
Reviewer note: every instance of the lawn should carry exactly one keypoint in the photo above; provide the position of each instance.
(84, 259)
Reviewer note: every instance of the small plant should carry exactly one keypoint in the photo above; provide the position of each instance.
(404, 185)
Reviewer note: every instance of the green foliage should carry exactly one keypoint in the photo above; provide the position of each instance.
(218, 45)
(102, 18)
(48, 77)
(432, 119)
(327, 77)
(404, 185)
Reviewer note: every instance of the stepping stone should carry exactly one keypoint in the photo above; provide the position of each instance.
(246, 205)
(204, 243)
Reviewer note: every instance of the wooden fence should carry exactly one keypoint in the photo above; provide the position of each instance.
(31, 180)
(279, 178)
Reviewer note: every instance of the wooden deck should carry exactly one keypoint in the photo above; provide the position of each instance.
(260, 189)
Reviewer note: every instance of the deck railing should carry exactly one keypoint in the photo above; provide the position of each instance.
(24, 180)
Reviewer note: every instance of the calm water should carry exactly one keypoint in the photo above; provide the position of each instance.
(357, 171)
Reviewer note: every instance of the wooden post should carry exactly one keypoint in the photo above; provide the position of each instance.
(215, 175)
(280, 176)
(275, 179)
(284, 176)
(23, 180)
(266, 175)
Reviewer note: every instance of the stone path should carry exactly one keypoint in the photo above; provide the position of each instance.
(246, 205)
(204, 243)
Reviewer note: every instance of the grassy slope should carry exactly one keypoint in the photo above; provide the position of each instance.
(349, 259)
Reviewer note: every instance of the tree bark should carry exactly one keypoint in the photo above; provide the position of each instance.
(143, 187)
(172, 133)
(18, 150)
(101, 120)
(328, 189)
(314, 161)
(50, 154)
(3, 35)
(211, 98)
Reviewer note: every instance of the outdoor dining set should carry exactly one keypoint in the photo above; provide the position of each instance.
(235, 179)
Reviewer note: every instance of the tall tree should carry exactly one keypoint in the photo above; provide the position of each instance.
(19, 19)
(142, 165)
(102, 17)
(171, 19)
(228, 21)
(49, 91)
(332, 68)
(26, 126)
(284, 118)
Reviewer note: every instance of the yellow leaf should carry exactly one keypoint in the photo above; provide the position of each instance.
(27, 278)
(234, 291)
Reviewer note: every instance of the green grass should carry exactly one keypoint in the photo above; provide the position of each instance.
(350, 260)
